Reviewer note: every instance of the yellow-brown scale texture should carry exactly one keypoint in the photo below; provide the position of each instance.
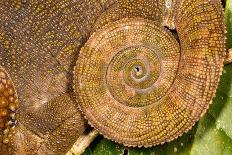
(8, 106)
(39, 44)
(148, 9)
(134, 81)
(137, 84)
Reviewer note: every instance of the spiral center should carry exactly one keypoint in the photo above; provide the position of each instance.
(134, 68)
(138, 70)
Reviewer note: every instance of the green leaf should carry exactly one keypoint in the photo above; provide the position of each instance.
(212, 135)
(102, 146)
(210, 140)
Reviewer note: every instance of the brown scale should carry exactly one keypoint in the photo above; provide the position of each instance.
(8, 106)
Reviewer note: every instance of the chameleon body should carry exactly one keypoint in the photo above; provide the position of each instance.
(40, 42)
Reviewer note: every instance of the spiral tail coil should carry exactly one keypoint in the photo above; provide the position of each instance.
(137, 84)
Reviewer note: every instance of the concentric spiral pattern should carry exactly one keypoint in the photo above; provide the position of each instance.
(137, 85)
(140, 70)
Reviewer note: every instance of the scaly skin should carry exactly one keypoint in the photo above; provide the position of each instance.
(136, 84)
(8, 106)
(39, 46)
(229, 57)
(39, 43)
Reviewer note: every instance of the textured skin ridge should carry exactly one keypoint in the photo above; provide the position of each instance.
(139, 79)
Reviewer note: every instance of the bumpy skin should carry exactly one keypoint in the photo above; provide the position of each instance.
(136, 84)
(8, 106)
(39, 45)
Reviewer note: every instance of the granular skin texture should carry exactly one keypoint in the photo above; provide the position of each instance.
(140, 85)
(8, 106)
(135, 81)
(39, 43)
